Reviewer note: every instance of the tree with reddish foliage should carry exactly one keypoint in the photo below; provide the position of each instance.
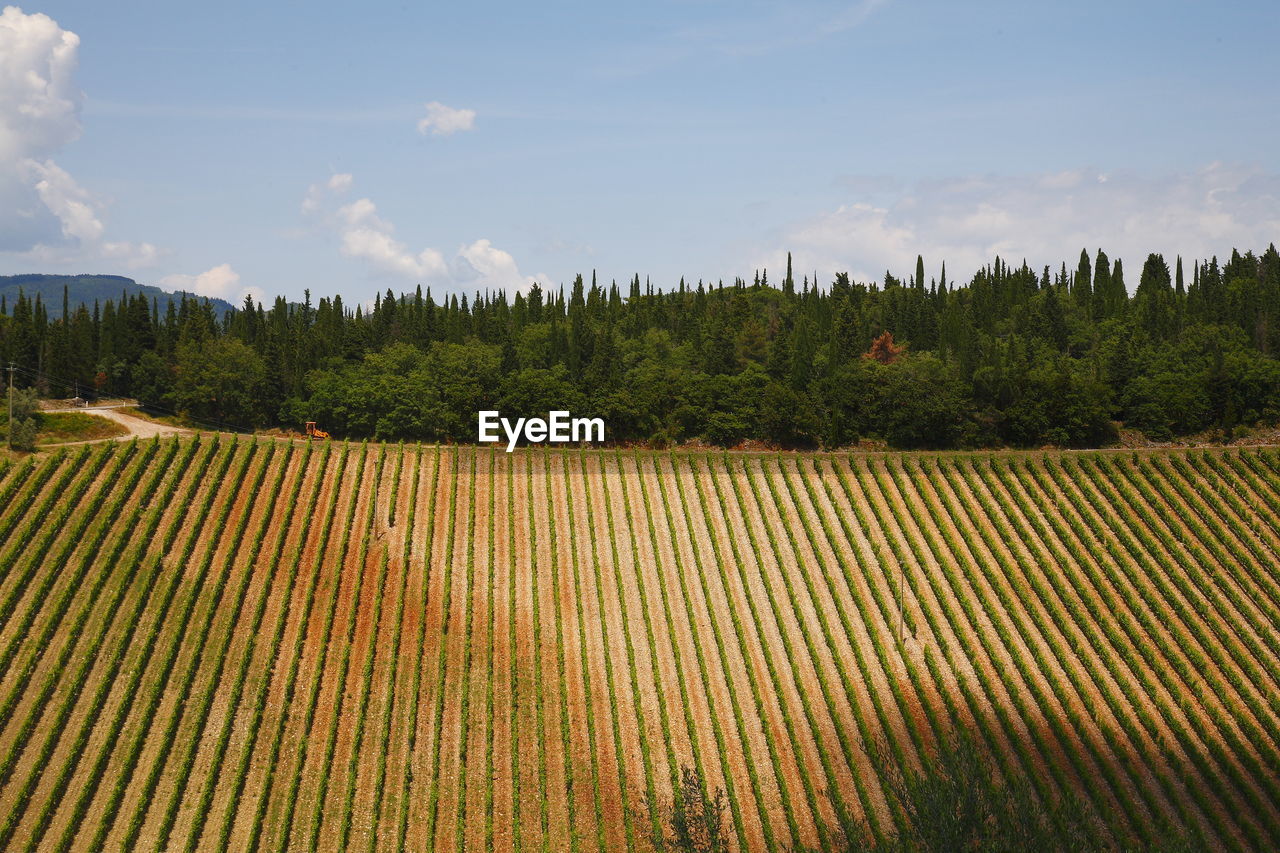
(884, 350)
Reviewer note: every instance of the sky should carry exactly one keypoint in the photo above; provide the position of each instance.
(266, 149)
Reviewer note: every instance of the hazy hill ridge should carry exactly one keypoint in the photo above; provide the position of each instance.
(84, 289)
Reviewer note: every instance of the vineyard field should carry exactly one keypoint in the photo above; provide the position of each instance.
(214, 643)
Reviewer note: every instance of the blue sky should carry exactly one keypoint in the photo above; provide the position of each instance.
(267, 148)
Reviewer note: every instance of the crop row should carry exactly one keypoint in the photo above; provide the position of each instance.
(1126, 556)
(389, 705)
(306, 602)
(211, 603)
(56, 669)
(1024, 586)
(366, 675)
(260, 835)
(154, 691)
(111, 653)
(411, 716)
(315, 821)
(217, 644)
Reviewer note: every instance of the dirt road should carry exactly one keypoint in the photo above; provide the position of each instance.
(136, 426)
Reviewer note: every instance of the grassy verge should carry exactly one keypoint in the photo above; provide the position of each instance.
(61, 427)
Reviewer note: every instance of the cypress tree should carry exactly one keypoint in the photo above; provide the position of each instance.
(1153, 300)
(803, 349)
(1195, 297)
(1120, 292)
(1211, 286)
(1179, 298)
(1055, 324)
(1103, 295)
(1269, 274)
(1082, 290)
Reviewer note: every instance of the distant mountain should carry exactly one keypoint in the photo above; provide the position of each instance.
(84, 289)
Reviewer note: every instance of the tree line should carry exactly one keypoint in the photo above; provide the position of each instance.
(1012, 357)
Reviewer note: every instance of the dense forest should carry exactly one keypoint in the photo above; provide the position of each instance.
(1012, 357)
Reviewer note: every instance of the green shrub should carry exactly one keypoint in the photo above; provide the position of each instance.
(694, 821)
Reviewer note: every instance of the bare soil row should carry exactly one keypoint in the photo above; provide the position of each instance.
(207, 644)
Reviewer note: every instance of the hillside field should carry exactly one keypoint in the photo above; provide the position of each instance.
(212, 643)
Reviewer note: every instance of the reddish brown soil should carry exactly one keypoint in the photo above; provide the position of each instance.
(593, 625)
(421, 762)
(251, 637)
(239, 576)
(338, 498)
(501, 725)
(190, 490)
(627, 704)
(690, 536)
(312, 743)
(715, 485)
(122, 620)
(637, 564)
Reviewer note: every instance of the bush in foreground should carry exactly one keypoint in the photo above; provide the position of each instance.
(957, 802)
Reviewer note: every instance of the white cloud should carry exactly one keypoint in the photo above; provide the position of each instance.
(367, 237)
(364, 235)
(362, 212)
(491, 267)
(220, 282)
(317, 194)
(1043, 218)
(132, 255)
(443, 121)
(45, 215)
(39, 103)
(66, 200)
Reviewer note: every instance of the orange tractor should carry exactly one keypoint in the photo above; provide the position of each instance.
(312, 432)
